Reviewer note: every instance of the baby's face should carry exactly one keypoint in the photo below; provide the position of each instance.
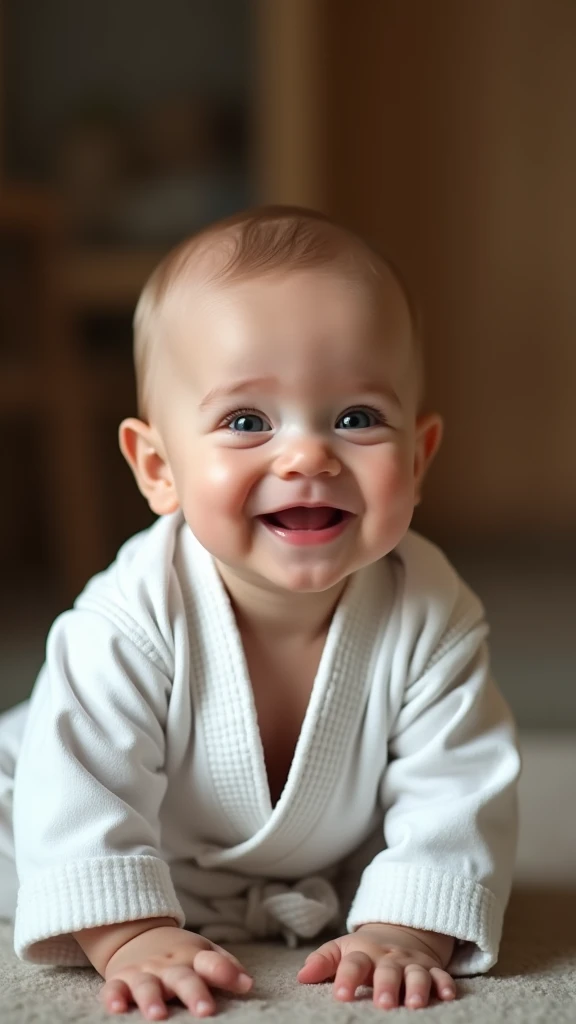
(286, 407)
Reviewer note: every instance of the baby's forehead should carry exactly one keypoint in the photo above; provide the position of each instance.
(213, 267)
(225, 268)
(236, 328)
(235, 320)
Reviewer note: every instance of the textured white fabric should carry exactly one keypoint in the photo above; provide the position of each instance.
(140, 786)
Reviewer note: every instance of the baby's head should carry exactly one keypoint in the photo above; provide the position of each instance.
(279, 386)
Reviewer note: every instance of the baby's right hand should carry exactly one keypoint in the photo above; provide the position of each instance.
(165, 962)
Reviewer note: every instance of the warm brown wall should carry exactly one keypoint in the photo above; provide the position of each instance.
(451, 142)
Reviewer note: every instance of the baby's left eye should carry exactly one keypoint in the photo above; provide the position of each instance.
(355, 419)
(245, 421)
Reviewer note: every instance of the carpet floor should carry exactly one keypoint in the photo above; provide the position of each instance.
(534, 981)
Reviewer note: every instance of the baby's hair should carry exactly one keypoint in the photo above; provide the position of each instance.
(256, 241)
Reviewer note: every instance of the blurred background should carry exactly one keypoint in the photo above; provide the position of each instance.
(445, 133)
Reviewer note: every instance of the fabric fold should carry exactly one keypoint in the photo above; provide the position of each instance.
(270, 909)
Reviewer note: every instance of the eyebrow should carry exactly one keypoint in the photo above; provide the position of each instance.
(247, 384)
(272, 384)
(371, 387)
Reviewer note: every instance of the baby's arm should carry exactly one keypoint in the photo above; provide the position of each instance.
(151, 960)
(449, 795)
(89, 785)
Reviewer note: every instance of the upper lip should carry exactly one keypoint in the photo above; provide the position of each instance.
(305, 504)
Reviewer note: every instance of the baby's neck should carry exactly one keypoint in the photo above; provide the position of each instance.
(281, 616)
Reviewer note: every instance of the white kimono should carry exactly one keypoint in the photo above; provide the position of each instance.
(133, 782)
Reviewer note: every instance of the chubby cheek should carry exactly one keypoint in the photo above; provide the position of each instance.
(214, 496)
(390, 498)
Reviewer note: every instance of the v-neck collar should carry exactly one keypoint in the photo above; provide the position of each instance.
(226, 708)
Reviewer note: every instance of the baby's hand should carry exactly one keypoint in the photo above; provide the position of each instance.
(384, 956)
(165, 962)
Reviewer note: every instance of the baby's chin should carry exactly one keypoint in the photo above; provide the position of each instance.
(316, 579)
(275, 579)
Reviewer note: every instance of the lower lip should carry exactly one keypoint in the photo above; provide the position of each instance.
(308, 537)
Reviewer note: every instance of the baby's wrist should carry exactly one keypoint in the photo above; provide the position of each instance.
(100, 944)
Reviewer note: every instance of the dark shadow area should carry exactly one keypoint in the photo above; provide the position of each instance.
(539, 932)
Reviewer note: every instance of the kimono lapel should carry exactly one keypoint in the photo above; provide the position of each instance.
(226, 711)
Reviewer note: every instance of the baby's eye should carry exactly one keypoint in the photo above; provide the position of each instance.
(246, 422)
(356, 419)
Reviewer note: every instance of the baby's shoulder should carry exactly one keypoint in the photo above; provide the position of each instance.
(134, 590)
(435, 603)
(425, 565)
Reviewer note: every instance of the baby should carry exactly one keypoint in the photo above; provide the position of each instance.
(273, 714)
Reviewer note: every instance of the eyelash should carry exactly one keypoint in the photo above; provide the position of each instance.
(238, 412)
(382, 421)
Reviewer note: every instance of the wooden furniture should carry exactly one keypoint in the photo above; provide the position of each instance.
(45, 375)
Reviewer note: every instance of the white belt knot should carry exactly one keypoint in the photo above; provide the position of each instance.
(269, 909)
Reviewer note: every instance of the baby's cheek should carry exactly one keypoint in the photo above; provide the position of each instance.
(215, 496)
(228, 480)
(393, 491)
(392, 476)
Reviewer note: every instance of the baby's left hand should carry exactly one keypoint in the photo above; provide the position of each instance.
(384, 956)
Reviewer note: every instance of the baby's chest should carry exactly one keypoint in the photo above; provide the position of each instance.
(281, 700)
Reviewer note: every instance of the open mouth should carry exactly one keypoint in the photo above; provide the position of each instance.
(303, 526)
(321, 517)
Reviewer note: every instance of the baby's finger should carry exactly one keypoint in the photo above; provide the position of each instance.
(444, 983)
(148, 994)
(116, 996)
(354, 969)
(190, 988)
(221, 972)
(418, 984)
(386, 985)
(228, 956)
(321, 964)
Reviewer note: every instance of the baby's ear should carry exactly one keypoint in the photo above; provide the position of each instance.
(429, 429)
(144, 453)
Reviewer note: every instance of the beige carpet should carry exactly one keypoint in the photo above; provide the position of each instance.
(533, 983)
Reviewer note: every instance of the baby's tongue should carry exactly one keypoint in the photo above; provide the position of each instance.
(300, 518)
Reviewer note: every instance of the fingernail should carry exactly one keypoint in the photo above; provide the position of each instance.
(415, 1000)
(386, 999)
(203, 1008)
(156, 1010)
(244, 982)
(447, 993)
(117, 1005)
(341, 992)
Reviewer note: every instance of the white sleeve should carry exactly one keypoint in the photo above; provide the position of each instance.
(88, 786)
(449, 797)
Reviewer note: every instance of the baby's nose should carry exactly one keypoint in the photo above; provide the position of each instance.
(306, 457)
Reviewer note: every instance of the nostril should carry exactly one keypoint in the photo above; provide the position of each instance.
(307, 462)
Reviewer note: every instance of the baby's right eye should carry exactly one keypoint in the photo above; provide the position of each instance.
(246, 422)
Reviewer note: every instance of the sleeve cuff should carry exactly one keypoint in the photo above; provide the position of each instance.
(422, 897)
(86, 894)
